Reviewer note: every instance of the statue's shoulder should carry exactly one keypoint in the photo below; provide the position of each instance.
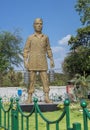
(31, 36)
(45, 35)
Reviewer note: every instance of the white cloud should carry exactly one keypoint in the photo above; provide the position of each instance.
(64, 40)
(57, 49)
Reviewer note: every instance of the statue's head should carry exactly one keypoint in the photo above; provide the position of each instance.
(38, 24)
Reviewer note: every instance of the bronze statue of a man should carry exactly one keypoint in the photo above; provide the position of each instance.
(36, 51)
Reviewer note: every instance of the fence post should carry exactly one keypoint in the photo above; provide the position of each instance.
(66, 103)
(0, 109)
(36, 113)
(76, 126)
(84, 105)
(14, 117)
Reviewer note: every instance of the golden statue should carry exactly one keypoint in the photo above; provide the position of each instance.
(36, 51)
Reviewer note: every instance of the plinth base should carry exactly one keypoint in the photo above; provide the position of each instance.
(44, 107)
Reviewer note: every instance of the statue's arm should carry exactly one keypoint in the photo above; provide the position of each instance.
(26, 49)
(49, 54)
(26, 52)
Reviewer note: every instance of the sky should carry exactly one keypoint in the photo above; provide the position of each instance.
(60, 21)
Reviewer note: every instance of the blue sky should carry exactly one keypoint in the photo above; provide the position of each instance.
(59, 16)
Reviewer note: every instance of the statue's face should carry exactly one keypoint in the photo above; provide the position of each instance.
(38, 25)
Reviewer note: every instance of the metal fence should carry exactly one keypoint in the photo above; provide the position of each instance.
(13, 118)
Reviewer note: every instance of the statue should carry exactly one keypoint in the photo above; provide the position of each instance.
(36, 51)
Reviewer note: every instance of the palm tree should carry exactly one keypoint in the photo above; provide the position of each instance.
(80, 86)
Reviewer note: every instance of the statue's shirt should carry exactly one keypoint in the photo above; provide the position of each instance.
(36, 51)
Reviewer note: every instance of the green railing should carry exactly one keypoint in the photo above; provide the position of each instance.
(13, 118)
(5, 116)
(86, 114)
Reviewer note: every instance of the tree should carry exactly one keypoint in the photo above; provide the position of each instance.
(10, 51)
(77, 62)
(83, 8)
(81, 39)
(70, 64)
(13, 78)
(80, 86)
(59, 79)
(79, 59)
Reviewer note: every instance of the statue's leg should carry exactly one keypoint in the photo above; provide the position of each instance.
(31, 88)
(44, 78)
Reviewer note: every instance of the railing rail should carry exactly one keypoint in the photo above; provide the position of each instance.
(48, 122)
(5, 115)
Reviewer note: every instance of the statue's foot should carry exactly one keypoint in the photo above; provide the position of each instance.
(48, 101)
(28, 101)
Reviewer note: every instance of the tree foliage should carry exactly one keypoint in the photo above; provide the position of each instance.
(13, 78)
(77, 62)
(81, 39)
(81, 85)
(10, 50)
(83, 8)
(59, 80)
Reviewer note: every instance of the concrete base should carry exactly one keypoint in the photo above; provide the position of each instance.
(44, 107)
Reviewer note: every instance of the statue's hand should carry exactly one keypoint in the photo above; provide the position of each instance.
(52, 63)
